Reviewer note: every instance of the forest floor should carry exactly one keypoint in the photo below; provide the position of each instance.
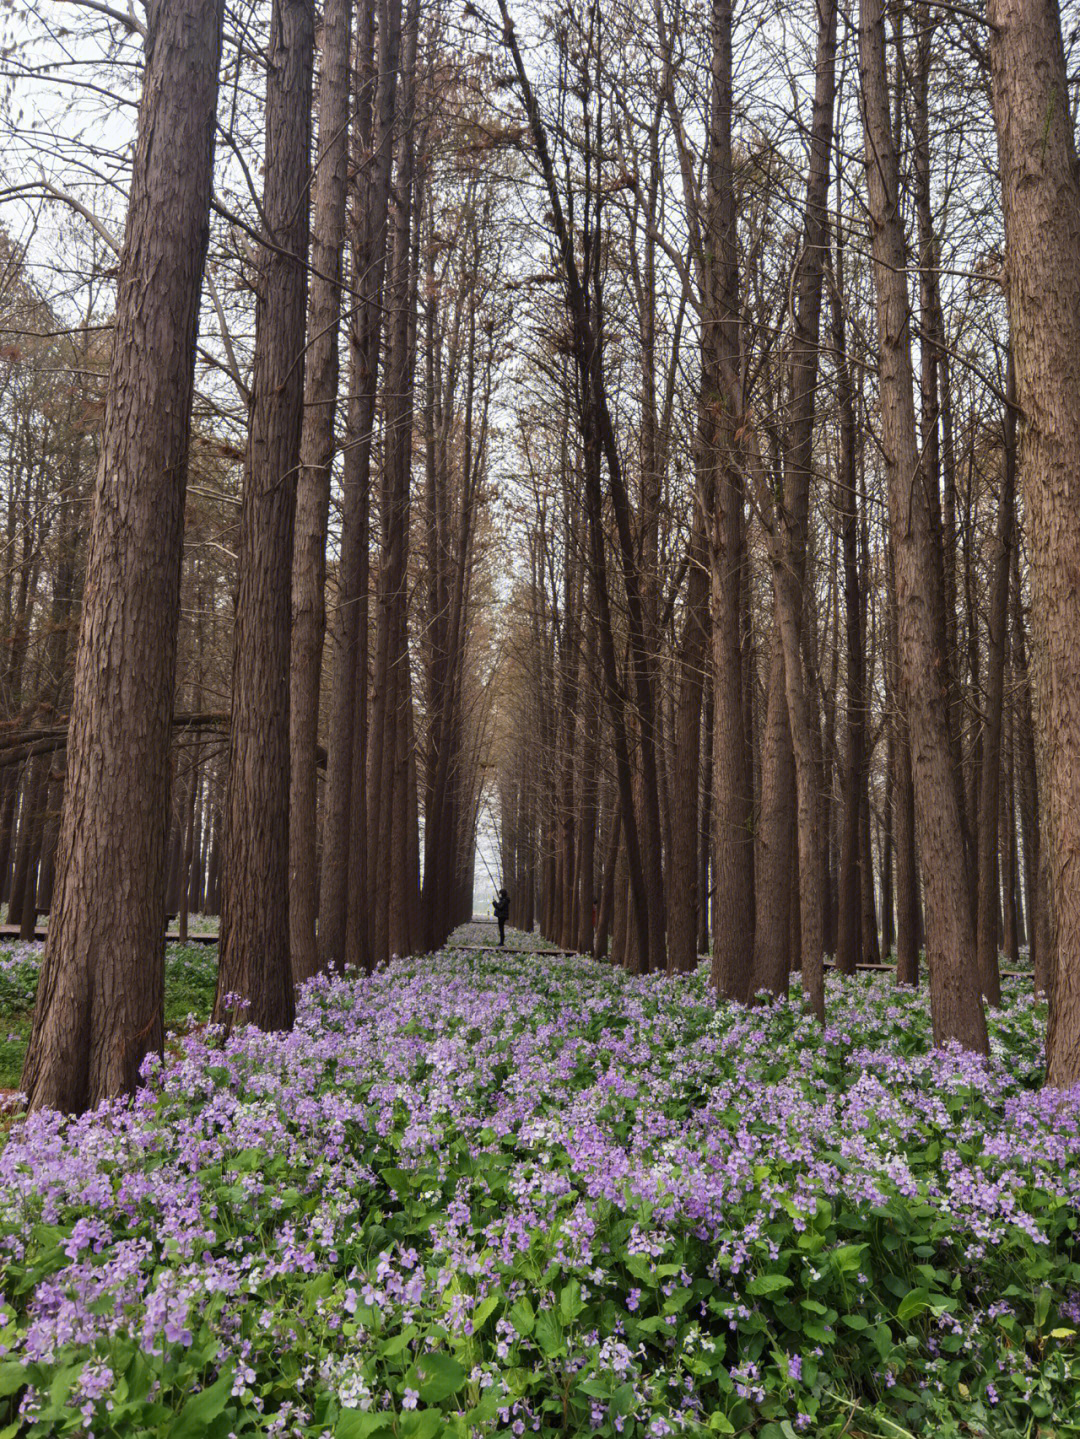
(190, 979)
(480, 1193)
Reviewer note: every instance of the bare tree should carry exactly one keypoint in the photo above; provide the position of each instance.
(254, 918)
(950, 938)
(99, 1004)
(1041, 200)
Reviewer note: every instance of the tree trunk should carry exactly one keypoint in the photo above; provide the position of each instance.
(849, 928)
(684, 900)
(189, 849)
(313, 490)
(733, 939)
(37, 793)
(99, 1002)
(255, 961)
(773, 875)
(1041, 196)
(393, 699)
(997, 623)
(955, 1002)
(344, 916)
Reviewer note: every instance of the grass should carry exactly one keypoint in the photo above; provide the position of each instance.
(190, 977)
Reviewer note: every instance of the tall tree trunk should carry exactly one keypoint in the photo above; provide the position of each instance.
(997, 623)
(849, 928)
(344, 917)
(644, 854)
(589, 789)
(888, 891)
(313, 490)
(189, 850)
(956, 1006)
(99, 1001)
(37, 793)
(705, 827)
(1038, 909)
(1041, 195)
(213, 868)
(255, 931)
(774, 834)
(684, 899)
(393, 700)
(733, 939)
(1010, 942)
(791, 535)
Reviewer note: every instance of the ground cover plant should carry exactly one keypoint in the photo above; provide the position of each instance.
(513, 1194)
(190, 978)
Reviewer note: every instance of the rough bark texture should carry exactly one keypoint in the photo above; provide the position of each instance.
(99, 1004)
(254, 918)
(684, 899)
(790, 536)
(344, 918)
(955, 1002)
(313, 493)
(733, 937)
(1041, 195)
(997, 621)
(848, 928)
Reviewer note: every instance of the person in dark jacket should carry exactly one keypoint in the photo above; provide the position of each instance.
(502, 911)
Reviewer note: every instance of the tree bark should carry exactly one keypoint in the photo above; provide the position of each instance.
(997, 622)
(255, 962)
(99, 1002)
(313, 490)
(344, 912)
(956, 1006)
(1041, 197)
(733, 939)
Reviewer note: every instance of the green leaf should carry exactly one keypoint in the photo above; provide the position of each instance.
(848, 1258)
(549, 1334)
(201, 1408)
(914, 1302)
(763, 1284)
(622, 1401)
(421, 1423)
(62, 1382)
(483, 1311)
(440, 1376)
(523, 1316)
(856, 1321)
(721, 1424)
(12, 1378)
(1042, 1307)
(392, 1347)
(360, 1424)
(570, 1301)
(401, 1181)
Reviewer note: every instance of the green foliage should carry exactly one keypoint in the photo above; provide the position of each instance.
(469, 1197)
(190, 979)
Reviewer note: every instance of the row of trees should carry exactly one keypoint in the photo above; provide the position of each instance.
(780, 660)
(765, 614)
(329, 711)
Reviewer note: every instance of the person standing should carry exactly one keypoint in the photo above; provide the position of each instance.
(501, 908)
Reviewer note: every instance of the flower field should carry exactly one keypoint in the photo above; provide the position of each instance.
(523, 1195)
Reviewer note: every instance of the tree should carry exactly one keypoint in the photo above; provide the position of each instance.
(950, 939)
(1040, 185)
(313, 489)
(254, 917)
(99, 1004)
